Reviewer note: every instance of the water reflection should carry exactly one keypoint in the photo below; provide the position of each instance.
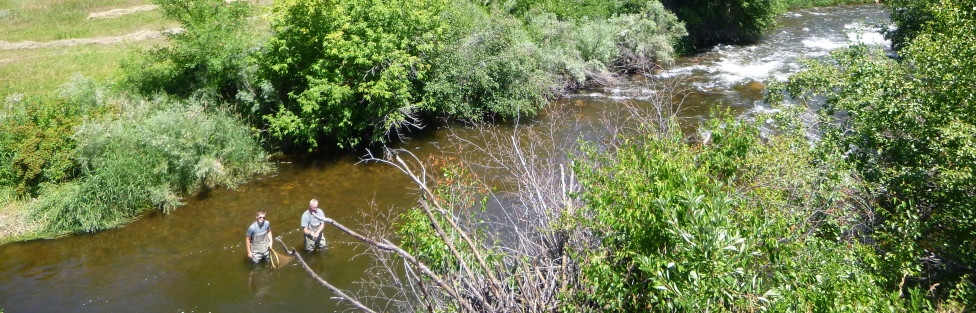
(259, 281)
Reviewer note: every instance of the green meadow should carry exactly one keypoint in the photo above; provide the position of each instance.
(35, 72)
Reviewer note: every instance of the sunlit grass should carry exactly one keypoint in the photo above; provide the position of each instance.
(36, 72)
(47, 20)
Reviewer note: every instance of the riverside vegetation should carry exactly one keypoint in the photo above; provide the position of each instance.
(875, 216)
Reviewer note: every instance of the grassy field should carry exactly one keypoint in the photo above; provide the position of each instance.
(35, 72)
(47, 20)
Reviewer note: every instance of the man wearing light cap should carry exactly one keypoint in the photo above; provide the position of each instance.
(313, 221)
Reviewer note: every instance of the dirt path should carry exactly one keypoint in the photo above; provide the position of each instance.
(120, 12)
(136, 36)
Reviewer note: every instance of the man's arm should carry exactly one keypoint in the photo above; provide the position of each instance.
(305, 229)
(247, 240)
(318, 230)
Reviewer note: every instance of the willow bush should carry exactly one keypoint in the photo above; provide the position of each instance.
(356, 72)
(578, 51)
(574, 9)
(148, 156)
(488, 66)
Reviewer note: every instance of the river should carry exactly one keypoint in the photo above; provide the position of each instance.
(193, 259)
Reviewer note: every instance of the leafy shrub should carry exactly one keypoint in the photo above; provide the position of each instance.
(355, 70)
(909, 16)
(575, 9)
(210, 55)
(148, 157)
(35, 136)
(737, 224)
(906, 126)
(352, 70)
(458, 191)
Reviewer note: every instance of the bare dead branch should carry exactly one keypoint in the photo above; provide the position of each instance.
(386, 245)
(321, 281)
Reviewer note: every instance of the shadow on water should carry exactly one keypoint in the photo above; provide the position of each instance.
(193, 259)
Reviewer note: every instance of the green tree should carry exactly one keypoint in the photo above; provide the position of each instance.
(352, 70)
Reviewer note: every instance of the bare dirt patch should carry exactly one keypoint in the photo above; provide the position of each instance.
(120, 12)
(136, 36)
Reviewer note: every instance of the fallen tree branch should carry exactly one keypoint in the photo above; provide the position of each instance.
(387, 246)
(321, 281)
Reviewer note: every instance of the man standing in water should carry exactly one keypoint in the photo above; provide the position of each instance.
(313, 221)
(258, 238)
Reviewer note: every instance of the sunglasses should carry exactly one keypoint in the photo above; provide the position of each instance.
(260, 216)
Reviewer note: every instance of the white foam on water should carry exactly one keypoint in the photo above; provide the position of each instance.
(682, 71)
(734, 70)
(822, 43)
(636, 93)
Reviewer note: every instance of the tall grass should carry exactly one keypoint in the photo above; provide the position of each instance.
(148, 156)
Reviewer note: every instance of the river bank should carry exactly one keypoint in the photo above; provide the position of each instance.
(188, 260)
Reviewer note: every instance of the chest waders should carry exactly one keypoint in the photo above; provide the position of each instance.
(312, 243)
(260, 245)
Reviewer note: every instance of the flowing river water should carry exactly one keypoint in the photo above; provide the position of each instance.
(193, 259)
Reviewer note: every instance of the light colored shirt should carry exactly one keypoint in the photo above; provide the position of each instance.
(311, 222)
